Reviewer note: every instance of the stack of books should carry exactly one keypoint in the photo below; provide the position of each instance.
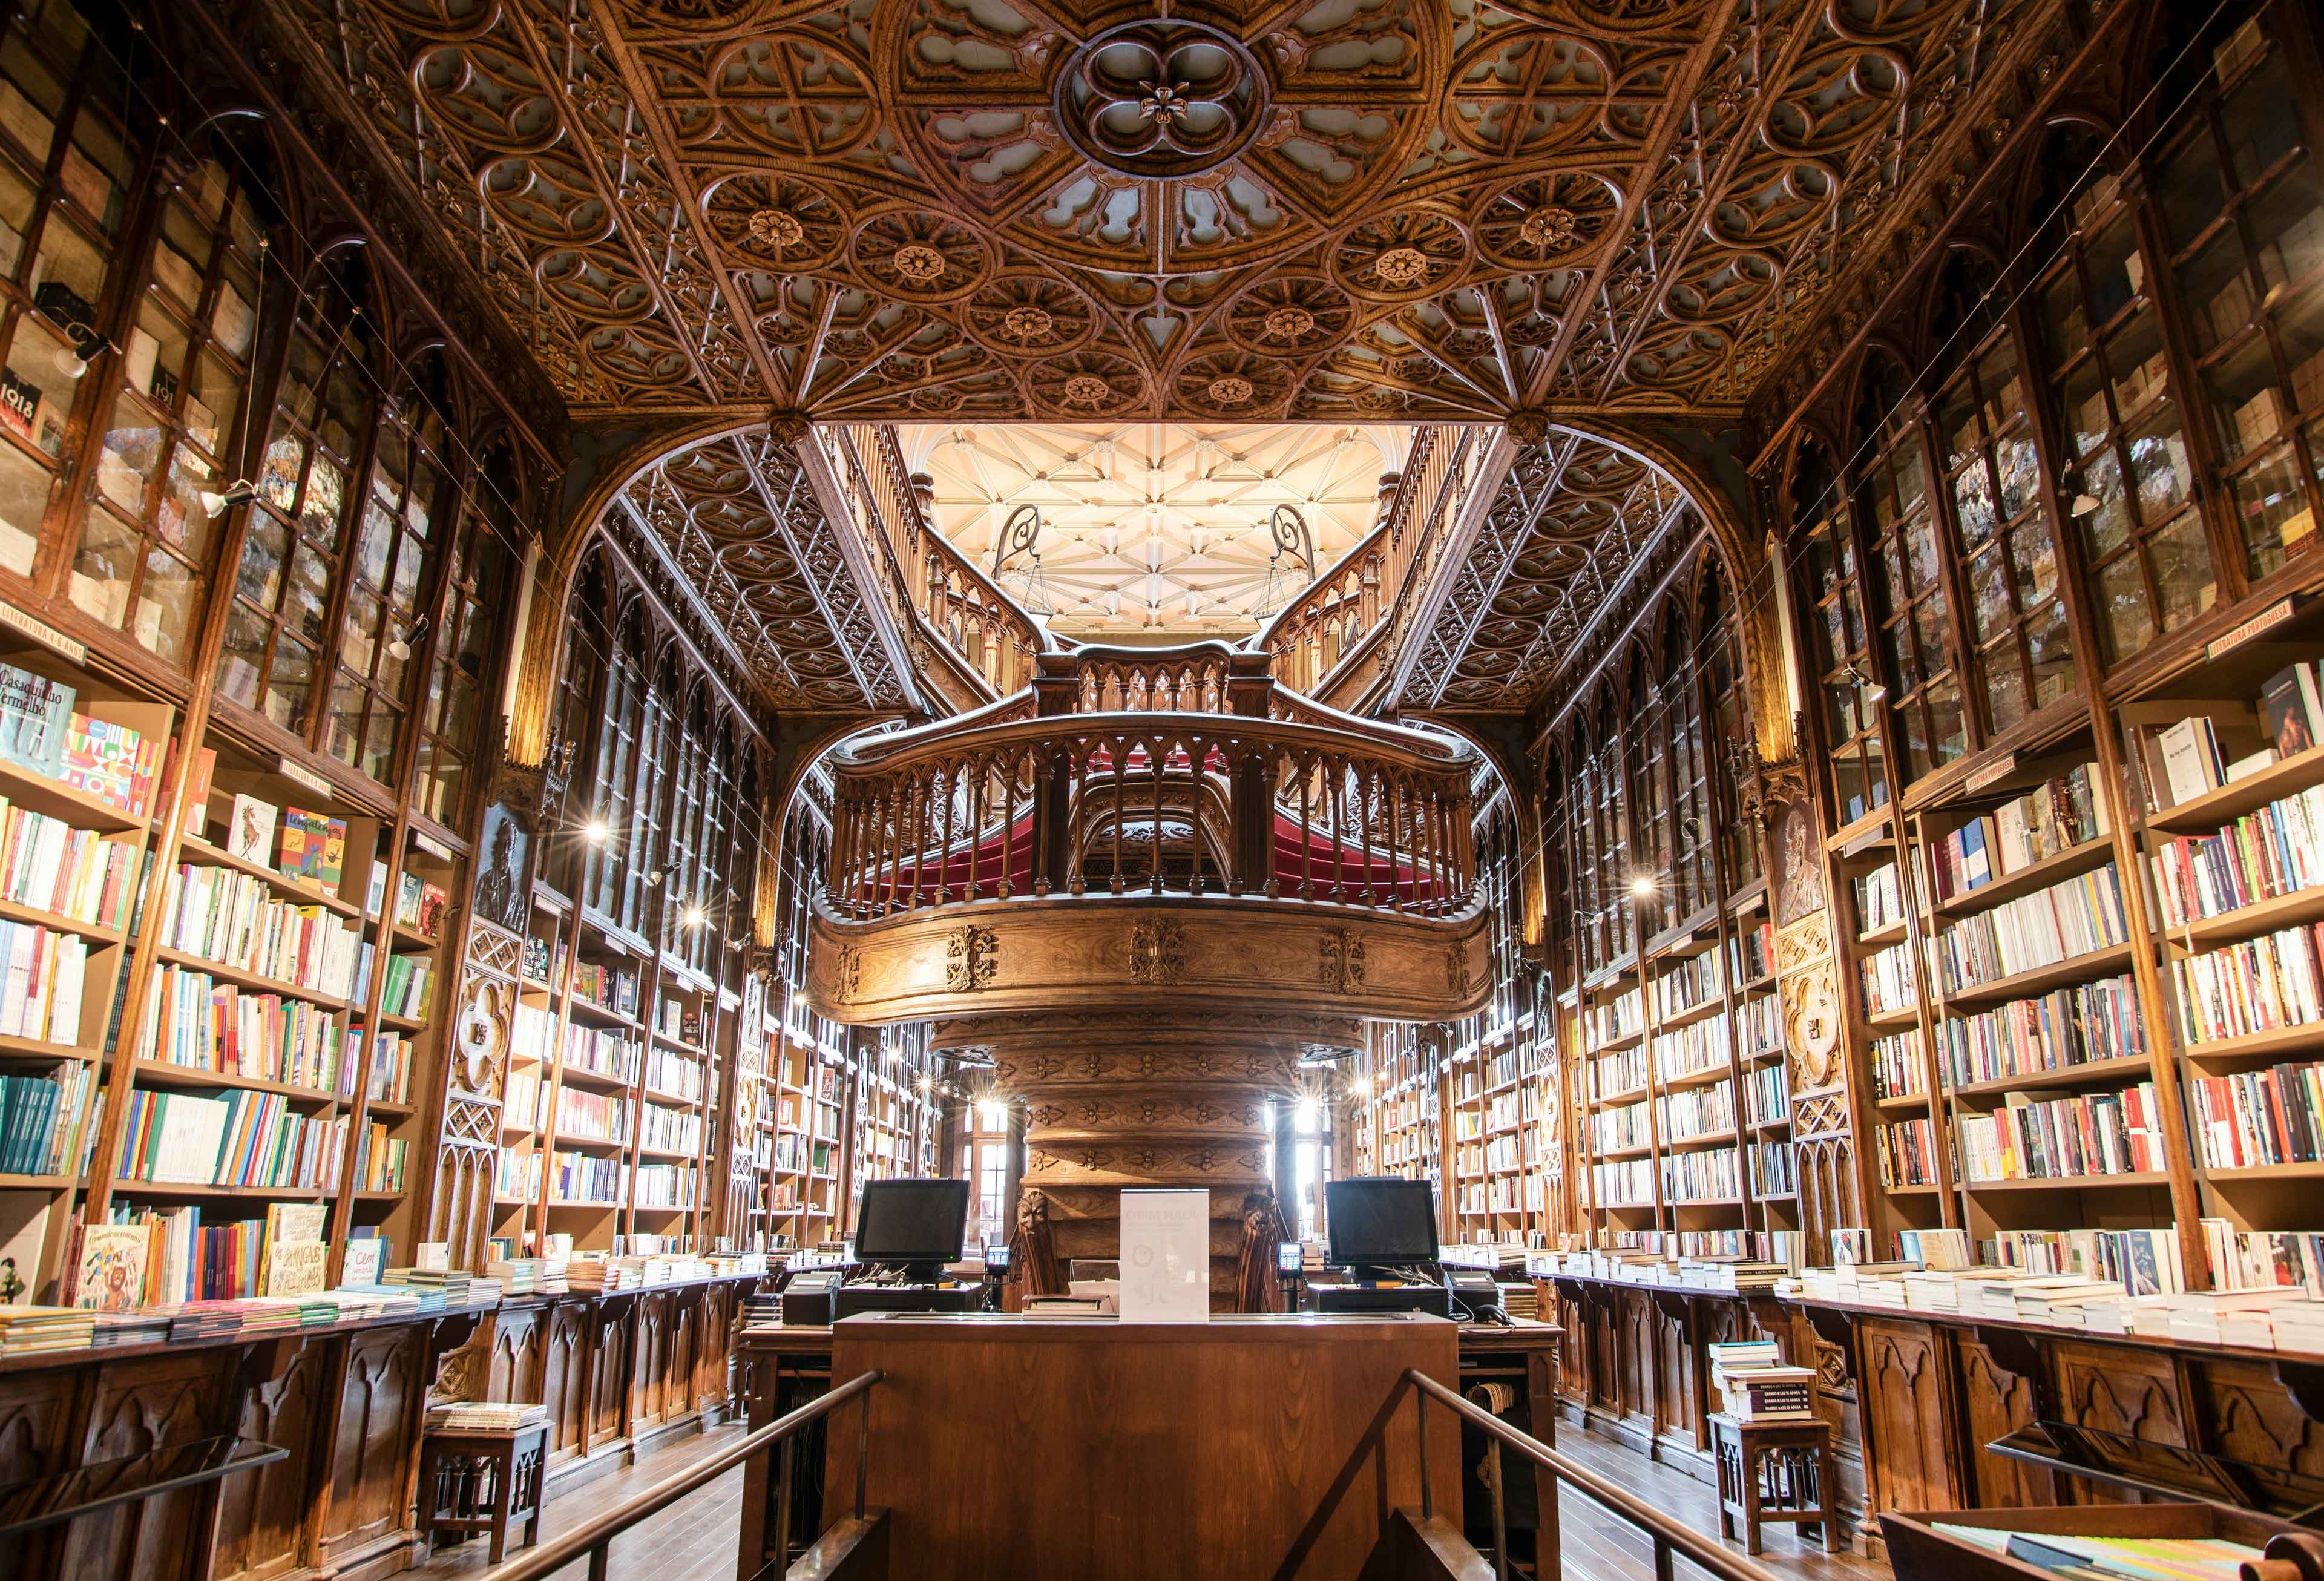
(2060, 1300)
(199, 1320)
(2299, 1326)
(387, 1300)
(518, 1276)
(144, 1326)
(485, 1416)
(1755, 1386)
(450, 1284)
(766, 1307)
(24, 1329)
(2230, 1317)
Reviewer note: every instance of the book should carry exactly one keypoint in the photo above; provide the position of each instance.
(296, 1221)
(365, 1256)
(2190, 759)
(297, 1267)
(250, 829)
(113, 1261)
(314, 847)
(2285, 712)
(35, 712)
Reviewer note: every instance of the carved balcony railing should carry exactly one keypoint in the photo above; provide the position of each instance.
(1336, 639)
(986, 641)
(1155, 800)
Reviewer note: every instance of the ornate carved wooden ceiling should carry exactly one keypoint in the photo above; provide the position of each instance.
(1574, 523)
(1320, 210)
(736, 520)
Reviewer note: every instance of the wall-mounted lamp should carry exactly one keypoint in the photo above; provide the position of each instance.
(237, 493)
(1872, 689)
(400, 648)
(597, 831)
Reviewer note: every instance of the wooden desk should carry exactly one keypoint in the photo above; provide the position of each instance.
(782, 1367)
(1005, 1446)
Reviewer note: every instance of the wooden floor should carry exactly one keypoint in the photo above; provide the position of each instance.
(694, 1540)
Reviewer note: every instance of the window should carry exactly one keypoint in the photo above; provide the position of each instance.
(379, 626)
(2133, 487)
(316, 449)
(1689, 773)
(481, 590)
(2022, 660)
(609, 858)
(2244, 208)
(1730, 714)
(1843, 657)
(1649, 706)
(1916, 619)
(62, 203)
(142, 560)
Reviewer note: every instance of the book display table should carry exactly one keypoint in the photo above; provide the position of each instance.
(482, 1479)
(1775, 1470)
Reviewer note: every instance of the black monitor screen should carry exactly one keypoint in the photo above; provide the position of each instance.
(1382, 1220)
(912, 1221)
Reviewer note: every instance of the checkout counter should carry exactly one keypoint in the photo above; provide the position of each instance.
(990, 1380)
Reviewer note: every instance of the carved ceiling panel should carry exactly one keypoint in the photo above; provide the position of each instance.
(1342, 210)
(737, 521)
(1577, 524)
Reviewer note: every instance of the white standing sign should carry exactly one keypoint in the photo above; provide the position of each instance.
(1165, 1257)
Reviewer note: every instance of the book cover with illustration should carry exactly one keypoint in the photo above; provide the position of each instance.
(250, 829)
(35, 713)
(314, 847)
(112, 1259)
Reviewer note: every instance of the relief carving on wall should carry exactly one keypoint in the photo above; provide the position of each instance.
(1340, 961)
(1158, 952)
(972, 959)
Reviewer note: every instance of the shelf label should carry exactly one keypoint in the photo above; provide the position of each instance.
(40, 632)
(1993, 774)
(301, 774)
(2274, 614)
(432, 846)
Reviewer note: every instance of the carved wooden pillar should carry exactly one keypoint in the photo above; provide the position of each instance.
(1116, 1099)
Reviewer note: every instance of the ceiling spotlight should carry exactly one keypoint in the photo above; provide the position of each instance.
(2084, 503)
(1361, 1087)
(1872, 689)
(597, 831)
(400, 648)
(1643, 886)
(696, 916)
(799, 999)
(653, 877)
(236, 491)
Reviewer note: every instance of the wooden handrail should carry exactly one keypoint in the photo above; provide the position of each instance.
(593, 1536)
(1345, 810)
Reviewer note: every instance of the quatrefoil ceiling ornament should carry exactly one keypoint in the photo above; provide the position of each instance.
(1161, 98)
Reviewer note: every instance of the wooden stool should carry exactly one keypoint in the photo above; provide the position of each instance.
(482, 1479)
(1776, 1471)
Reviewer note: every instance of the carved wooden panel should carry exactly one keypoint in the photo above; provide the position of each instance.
(610, 1335)
(2252, 1419)
(1908, 1417)
(516, 1368)
(1573, 1348)
(35, 1420)
(2116, 1390)
(1674, 1371)
(377, 1435)
(1634, 1382)
(262, 1515)
(1996, 1400)
(136, 1407)
(565, 1375)
(650, 1380)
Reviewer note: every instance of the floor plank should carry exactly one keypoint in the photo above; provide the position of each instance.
(694, 1539)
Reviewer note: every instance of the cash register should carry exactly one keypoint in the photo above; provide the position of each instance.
(905, 1231)
(1383, 1231)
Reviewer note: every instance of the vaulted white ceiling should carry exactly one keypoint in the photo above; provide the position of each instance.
(1154, 531)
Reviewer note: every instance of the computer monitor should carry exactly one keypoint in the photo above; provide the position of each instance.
(1381, 1221)
(919, 1223)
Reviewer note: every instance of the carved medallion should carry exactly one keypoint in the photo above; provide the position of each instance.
(1812, 1025)
(1158, 952)
(1161, 98)
(1340, 961)
(971, 958)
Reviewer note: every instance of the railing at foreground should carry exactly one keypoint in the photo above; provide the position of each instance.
(1669, 1537)
(593, 1536)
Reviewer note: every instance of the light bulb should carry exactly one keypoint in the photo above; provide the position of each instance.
(696, 917)
(595, 831)
(1642, 887)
